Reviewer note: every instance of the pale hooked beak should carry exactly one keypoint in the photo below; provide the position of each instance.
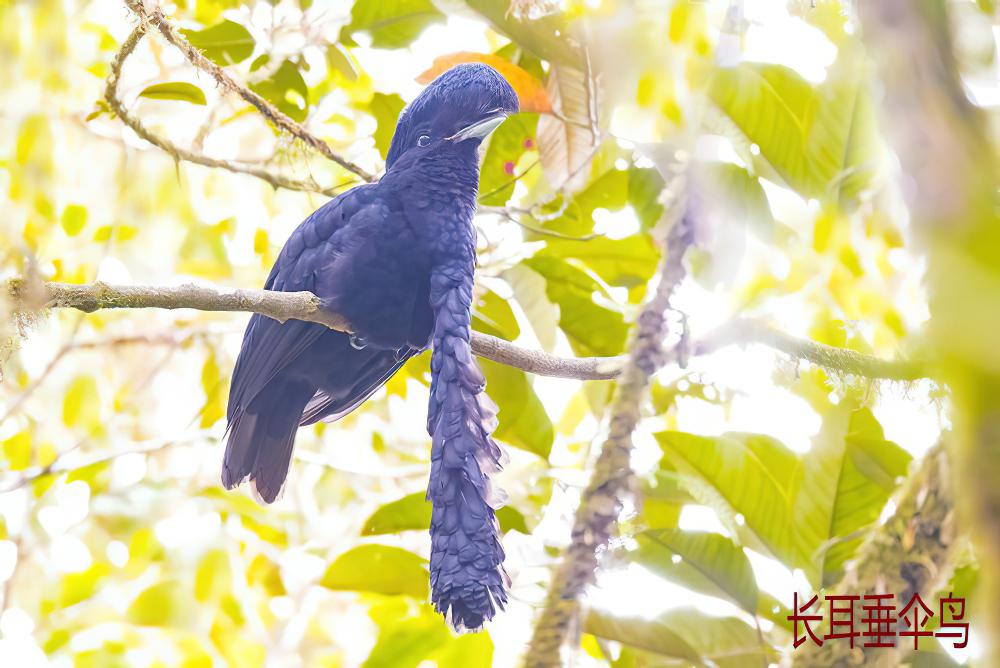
(479, 129)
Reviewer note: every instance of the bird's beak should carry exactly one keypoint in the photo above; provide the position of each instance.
(479, 129)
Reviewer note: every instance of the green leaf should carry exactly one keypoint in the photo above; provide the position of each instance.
(848, 476)
(523, 420)
(493, 315)
(77, 587)
(626, 262)
(740, 474)
(214, 383)
(506, 146)
(608, 191)
(592, 329)
(654, 635)
(385, 109)
(645, 186)
(406, 641)
(17, 451)
(225, 43)
(74, 218)
(175, 90)
(378, 568)
(82, 402)
(287, 90)
(213, 577)
(708, 563)
(159, 605)
(820, 140)
(741, 197)
(337, 59)
(392, 24)
(412, 512)
(687, 635)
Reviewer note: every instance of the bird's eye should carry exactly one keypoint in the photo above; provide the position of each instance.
(423, 140)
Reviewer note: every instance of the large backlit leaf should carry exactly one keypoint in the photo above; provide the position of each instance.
(566, 148)
(749, 476)
(378, 568)
(531, 93)
(392, 24)
(654, 635)
(225, 43)
(848, 476)
(708, 563)
(819, 139)
(591, 329)
(684, 636)
(627, 262)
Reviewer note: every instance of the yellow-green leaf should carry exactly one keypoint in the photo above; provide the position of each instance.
(175, 90)
(378, 568)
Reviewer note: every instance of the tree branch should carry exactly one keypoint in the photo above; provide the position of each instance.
(178, 153)
(306, 306)
(156, 19)
(612, 478)
(842, 360)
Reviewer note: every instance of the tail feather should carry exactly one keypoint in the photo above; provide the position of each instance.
(260, 439)
(468, 582)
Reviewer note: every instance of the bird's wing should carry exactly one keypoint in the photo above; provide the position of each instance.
(268, 345)
(324, 406)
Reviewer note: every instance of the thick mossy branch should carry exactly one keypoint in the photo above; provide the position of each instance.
(912, 553)
(612, 478)
(842, 360)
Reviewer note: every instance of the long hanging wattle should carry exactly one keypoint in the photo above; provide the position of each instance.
(468, 582)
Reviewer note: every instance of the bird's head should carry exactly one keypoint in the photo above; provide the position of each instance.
(454, 113)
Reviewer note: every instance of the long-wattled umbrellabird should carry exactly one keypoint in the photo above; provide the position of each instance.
(395, 258)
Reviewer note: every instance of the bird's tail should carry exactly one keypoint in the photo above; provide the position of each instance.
(260, 439)
(468, 581)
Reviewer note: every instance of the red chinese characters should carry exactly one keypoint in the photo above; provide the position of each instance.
(873, 620)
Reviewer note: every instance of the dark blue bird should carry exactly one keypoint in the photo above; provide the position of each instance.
(396, 258)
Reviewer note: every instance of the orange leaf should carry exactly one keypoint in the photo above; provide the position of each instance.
(530, 91)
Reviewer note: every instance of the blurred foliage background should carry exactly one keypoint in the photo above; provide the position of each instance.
(762, 475)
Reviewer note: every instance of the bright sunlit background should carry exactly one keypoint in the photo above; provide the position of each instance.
(118, 545)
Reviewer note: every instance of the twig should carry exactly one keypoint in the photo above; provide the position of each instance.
(178, 153)
(275, 116)
(306, 306)
(612, 478)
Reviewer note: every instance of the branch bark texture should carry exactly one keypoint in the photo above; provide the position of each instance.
(612, 478)
(306, 306)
